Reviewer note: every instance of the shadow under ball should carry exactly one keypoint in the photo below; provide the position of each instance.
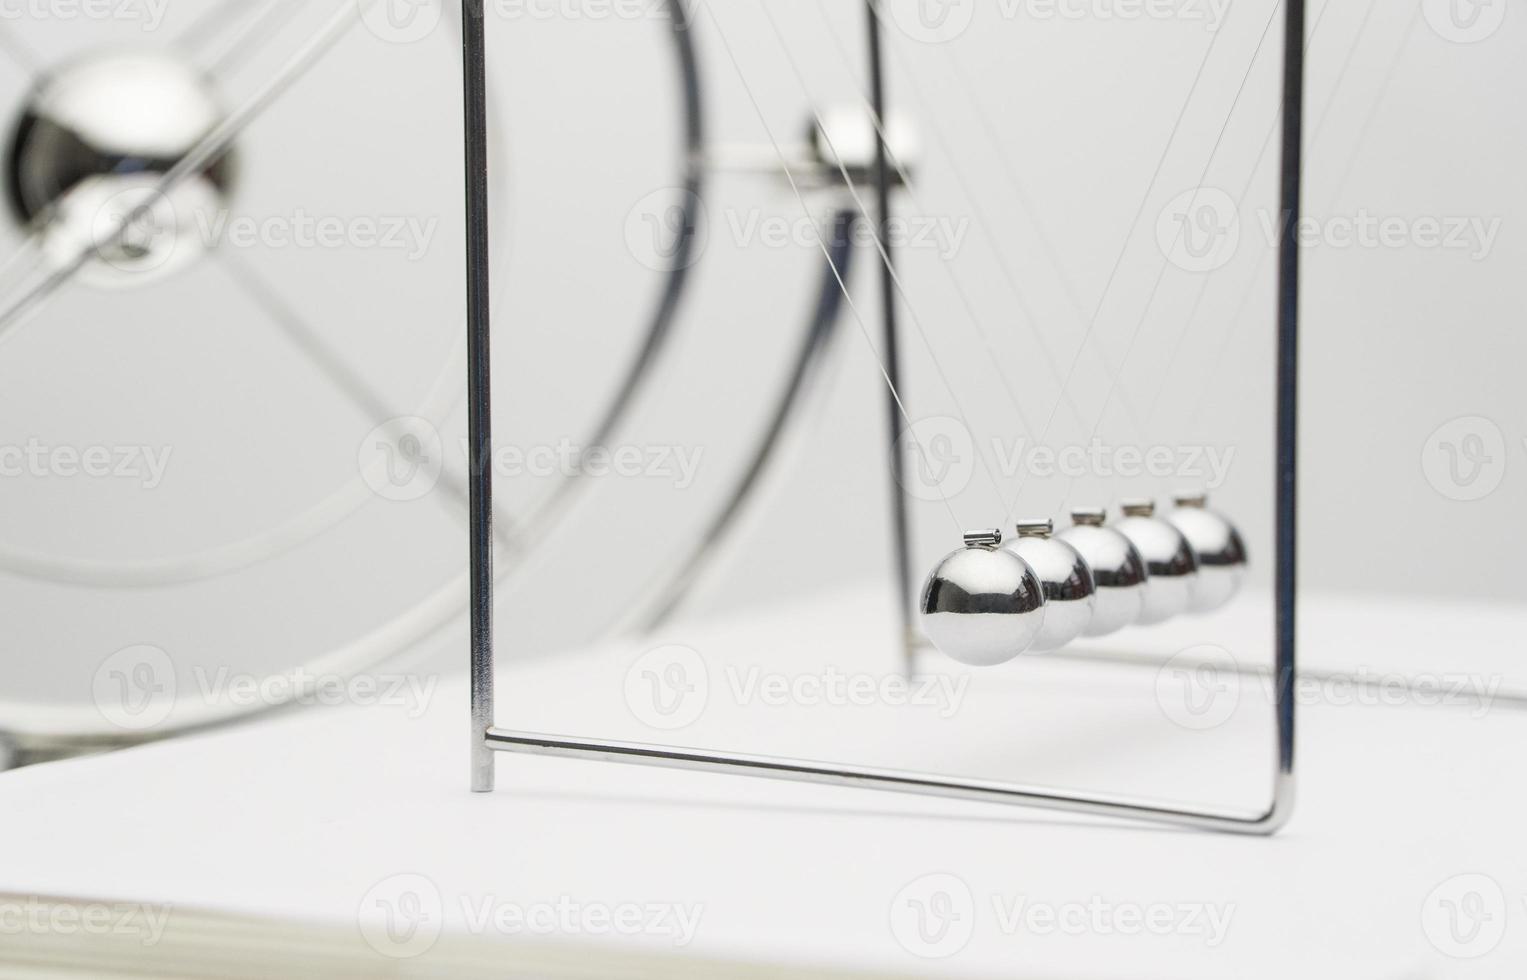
(94, 139)
(982, 606)
(1069, 588)
(1169, 559)
(1118, 571)
(1222, 559)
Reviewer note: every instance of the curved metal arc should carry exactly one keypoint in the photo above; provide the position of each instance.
(81, 730)
(536, 526)
(806, 373)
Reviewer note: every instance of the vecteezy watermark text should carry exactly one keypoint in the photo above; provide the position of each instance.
(940, 460)
(670, 687)
(408, 234)
(403, 916)
(937, 915)
(147, 14)
(34, 458)
(41, 917)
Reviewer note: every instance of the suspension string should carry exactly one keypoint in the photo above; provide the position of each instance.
(1030, 320)
(1357, 146)
(826, 253)
(1010, 172)
(1260, 158)
(1119, 261)
(885, 257)
(1138, 328)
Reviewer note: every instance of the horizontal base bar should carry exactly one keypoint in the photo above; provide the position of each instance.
(794, 770)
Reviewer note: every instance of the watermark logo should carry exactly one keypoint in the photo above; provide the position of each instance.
(1202, 687)
(411, 693)
(1465, 21)
(147, 465)
(148, 14)
(122, 920)
(401, 460)
(136, 229)
(401, 21)
(1465, 916)
(943, 235)
(677, 465)
(667, 229)
(134, 688)
(934, 917)
(409, 235)
(402, 917)
(668, 688)
(1465, 459)
(1199, 230)
(1211, 12)
(931, 21)
(942, 694)
(1199, 689)
(1471, 235)
(938, 458)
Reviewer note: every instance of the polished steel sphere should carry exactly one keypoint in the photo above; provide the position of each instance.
(1222, 559)
(1118, 571)
(1070, 590)
(983, 606)
(92, 142)
(1168, 557)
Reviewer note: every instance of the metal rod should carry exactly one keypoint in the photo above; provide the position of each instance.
(479, 387)
(1262, 823)
(797, 770)
(901, 534)
(1288, 379)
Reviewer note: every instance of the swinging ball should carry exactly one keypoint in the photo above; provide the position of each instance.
(1118, 571)
(88, 153)
(983, 606)
(1221, 553)
(1069, 588)
(1169, 559)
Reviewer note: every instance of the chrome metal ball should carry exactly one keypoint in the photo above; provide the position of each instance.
(1222, 559)
(1117, 570)
(1069, 588)
(89, 149)
(1168, 557)
(983, 606)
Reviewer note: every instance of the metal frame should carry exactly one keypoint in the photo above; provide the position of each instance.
(486, 738)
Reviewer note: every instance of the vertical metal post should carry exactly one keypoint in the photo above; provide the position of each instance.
(479, 389)
(1288, 381)
(901, 542)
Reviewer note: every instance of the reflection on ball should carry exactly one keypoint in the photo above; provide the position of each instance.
(1117, 570)
(1222, 559)
(1168, 558)
(92, 143)
(1069, 588)
(983, 606)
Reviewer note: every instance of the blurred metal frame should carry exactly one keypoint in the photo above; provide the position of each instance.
(486, 738)
(65, 732)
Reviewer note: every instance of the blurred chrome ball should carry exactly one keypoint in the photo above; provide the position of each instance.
(1069, 588)
(983, 606)
(1118, 571)
(1168, 557)
(1221, 554)
(93, 140)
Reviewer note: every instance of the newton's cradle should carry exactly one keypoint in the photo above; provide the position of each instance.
(1001, 595)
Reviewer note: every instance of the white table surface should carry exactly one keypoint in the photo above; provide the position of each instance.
(303, 815)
